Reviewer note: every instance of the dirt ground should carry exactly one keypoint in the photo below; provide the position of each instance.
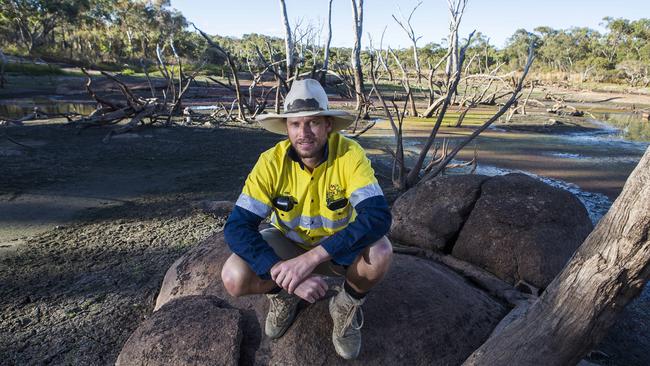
(89, 229)
(72, 294)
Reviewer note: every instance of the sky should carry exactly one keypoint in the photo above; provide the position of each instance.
(497, 19)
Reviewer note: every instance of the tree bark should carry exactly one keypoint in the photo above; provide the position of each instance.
(608, 270)
(288, 41)
(326, 57)
(357, 11)
(456, 10)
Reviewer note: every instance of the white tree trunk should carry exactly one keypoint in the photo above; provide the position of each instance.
(609, 269)
(326, 57)
(357, 11)
(288, 40)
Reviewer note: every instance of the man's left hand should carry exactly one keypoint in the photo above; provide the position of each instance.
(290, 273)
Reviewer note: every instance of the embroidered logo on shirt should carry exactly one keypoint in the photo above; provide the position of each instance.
(334, 193)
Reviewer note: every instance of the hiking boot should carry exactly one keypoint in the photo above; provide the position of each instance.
(282, 311)
(348, 319)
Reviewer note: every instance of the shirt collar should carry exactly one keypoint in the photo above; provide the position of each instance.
(294, 155)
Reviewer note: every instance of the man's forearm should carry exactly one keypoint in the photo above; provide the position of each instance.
(372, 222)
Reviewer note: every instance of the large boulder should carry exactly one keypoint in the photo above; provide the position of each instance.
(422, 313)
(431, 214)
(193, 330)
(198, 272)
(522, 229)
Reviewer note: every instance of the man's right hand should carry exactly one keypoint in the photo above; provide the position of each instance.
(311, 289)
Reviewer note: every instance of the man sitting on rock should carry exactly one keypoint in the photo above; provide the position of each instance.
(329, 217)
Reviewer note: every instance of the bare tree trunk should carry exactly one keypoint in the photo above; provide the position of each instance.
(233, 70)
(609, 269)
(357, 11)
(326, 57)
(288, 41)
(381, 59)
(407, 86)
(456, 9)
(408, 28)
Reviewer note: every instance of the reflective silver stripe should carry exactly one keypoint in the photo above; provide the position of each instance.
(317, 222)
(371, 190)
(251, 204)
(297, 238)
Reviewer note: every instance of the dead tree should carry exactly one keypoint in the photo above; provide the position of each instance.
(136, 109)
(406, 85)
(233, 70)
(476, 88)
(410, 176)
(288, 42)
(516, 93)
(326, 56)
(433, 104)
(456, 10)
(383, 58)
(405, 23)
(357, 12)
(399, 168)
(610, 268)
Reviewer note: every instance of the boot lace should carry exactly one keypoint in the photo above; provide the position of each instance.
(280, 309)
(351, 310)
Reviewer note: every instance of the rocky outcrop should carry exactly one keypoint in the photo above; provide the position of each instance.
(522, 229)
(514, 226)
(193, 330)
(431, 215)
(422, 313)
(198, 272)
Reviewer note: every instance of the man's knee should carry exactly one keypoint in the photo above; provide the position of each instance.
(382, 252)
(233, 278)
(376, 259)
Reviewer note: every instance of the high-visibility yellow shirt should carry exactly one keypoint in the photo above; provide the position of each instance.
(346, 174)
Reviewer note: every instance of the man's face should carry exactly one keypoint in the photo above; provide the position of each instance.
(308, 135)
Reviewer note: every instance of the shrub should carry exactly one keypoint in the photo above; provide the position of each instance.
(33, 69)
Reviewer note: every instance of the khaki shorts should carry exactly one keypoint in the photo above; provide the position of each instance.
(286, 248)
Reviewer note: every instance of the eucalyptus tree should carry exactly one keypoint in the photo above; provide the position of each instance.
(34, 21)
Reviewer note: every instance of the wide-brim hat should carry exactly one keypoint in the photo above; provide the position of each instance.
(306, 98)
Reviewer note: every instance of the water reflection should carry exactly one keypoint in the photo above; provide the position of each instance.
(630, 125)
(21, 107)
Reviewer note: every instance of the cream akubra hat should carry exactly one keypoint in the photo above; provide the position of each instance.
(306, 98)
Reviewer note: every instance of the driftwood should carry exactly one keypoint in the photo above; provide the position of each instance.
(136, 109)
(610, 268)
(483, 279)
